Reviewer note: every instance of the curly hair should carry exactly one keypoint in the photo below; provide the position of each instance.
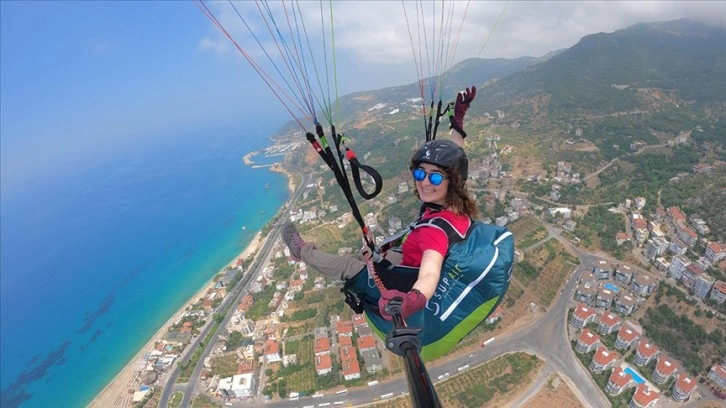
(458, 198)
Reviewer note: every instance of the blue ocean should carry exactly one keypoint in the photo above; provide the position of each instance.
(96, 261)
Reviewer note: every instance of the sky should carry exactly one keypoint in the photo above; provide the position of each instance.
(82, 80)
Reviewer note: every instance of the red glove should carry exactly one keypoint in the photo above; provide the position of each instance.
(413, 301)
(463, 101)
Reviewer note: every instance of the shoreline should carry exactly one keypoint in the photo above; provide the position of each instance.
(116, 392)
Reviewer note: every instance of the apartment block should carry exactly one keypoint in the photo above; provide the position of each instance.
(683, 388)
(626, 337)
(664, 370)
(644, 397)
(608, 323)
(645, 352)
(582, 316)
(618, 381)
(602, 270)
(625, 303)
(587, 341)
(624, 274)
(603, 359)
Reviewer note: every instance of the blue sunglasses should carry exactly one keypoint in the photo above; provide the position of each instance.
(435, 178)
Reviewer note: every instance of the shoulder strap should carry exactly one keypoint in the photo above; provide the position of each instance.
(441, 223)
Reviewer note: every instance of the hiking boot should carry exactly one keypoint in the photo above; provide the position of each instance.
(292, 239)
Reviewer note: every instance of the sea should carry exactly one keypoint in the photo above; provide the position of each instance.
(95, 262)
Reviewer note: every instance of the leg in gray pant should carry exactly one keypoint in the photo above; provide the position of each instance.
(336, 266)
(332, 266)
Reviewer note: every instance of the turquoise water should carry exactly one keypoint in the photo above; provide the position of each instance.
(95, 261)
(611, 287)
(636, 377)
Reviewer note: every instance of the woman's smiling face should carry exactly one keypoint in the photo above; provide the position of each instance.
(428, 192)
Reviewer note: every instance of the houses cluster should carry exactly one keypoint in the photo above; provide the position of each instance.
(614, 287)
(666, 239)
(347, 355)
(622, 375)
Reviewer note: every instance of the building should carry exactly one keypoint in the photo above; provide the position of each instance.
(372, 360)
(242, 385)
(602, 270)
(624, 273)
(683, 388)
(322, 346)
(625, 304)
(702, 286)
(715, 251)
(608, 323)
(605, 298)
(494, 316)
(664, 370)
(686, 235)
(587, 341)
(582, 316)
(272, 351)
(718, 292)
(359, 321)
(646, 351)
(626, 337)
(676, 216)
(618, 381)
(690, 274)
(323, 364)
(350, 369)
(347, 353)
(656, 246)
(603, 359)
(344, 341)
(717, 375)
(644, 397)
(588, 277)
(678, 265)
(366, 343)
(677, 247)
(344, 328)
(586, 292)
(642, 285)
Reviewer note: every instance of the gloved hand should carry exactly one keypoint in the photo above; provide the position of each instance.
(413, 301)
(463, 101)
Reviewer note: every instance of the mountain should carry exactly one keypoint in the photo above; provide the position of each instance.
(606, 73)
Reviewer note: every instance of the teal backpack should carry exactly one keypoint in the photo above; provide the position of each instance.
(474, 278)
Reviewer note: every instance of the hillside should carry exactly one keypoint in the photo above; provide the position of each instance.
(630, 110)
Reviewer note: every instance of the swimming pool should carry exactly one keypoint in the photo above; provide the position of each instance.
(610, 286)
(636, 377)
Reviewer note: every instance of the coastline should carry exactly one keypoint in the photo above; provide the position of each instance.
(116, 393)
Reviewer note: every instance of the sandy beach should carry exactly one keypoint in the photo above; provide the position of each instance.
(116, 393)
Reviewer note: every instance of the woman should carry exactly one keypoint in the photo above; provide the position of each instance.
(439, 169)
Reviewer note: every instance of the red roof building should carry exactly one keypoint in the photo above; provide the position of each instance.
(322, 346)
(718, 292)
(664, 370)
(603, 359)
(646, 351)
(582, 316)
(619, 380)
(644, 397)
(359, 321)
(587, 341)
(366, 343)
(272, 351)
(344, 341)
(323, 364)
(351, 370)
(683, 388)
(344, 328)
(626, 337)
(608, 323)
(347, 353)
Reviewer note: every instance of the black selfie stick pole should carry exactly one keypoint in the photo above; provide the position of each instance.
(404, 341)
